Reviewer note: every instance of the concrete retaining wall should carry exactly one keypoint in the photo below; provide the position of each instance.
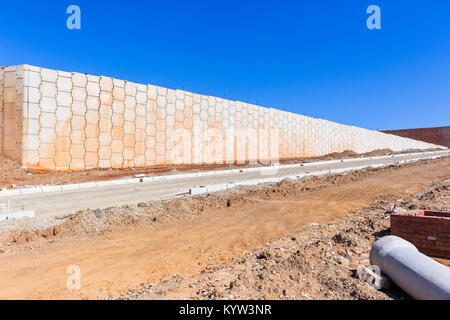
(60, 120)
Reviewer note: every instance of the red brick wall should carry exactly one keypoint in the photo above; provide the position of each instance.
(429, 231)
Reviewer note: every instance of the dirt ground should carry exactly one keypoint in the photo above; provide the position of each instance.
(13, 175)
(286, 241)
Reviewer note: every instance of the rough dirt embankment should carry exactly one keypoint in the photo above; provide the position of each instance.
(189, 239)
(13, 175)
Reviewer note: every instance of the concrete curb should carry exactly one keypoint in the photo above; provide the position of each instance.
(254, 182)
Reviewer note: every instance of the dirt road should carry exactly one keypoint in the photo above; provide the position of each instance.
(114, 262)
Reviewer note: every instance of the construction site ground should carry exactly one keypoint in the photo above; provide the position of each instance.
(299, 240)
(13, 175)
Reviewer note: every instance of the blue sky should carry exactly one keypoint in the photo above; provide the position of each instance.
(314, 57)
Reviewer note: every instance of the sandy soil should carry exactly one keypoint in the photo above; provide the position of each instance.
(147, 244)
(12, 174)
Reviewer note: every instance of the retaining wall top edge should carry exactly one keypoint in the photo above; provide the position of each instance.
(27, 66)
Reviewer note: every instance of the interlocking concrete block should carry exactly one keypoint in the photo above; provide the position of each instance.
(105, 125)
(141, 97)
(130, 89)
(64, 84)
(93, 88)
(78, 122)
(106, 98)
(30, 95)
(152, 92)
(106, 84)
(92, 117)
(64, 99)
(62, 160)
(63, 128)
(32, 111)
(171, 96)
(34, 79)
(77, 164)
(47, 120)
(79, 94)
(118, 93)
(161, 101)
(63, 114)
(78, 137)
(47, 135)
(91, 160)
(118, 107)
(93, 103)
(49, 75)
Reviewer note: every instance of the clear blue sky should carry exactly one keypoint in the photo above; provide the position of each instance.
(314, 57)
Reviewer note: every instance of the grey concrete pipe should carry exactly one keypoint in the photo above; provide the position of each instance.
(418, 275)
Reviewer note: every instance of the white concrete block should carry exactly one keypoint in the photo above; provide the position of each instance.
(64, 99)
(31, 190)
(32, 111)
(32, 95)
(79, 80)
(197, 191)
(49, 75)
(152, 92)
(104, 183)
(17, 215)
(51, 188)
(88, 185)
(48, 89)
(79, 94)
(93, 89)
(106, 84)
(34, 79)
(68, 187)
(7, 193)
(64, 84)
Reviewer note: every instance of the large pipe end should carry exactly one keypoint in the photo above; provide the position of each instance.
(384, 246)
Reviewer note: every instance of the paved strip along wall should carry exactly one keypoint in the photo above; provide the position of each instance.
(62, 120)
